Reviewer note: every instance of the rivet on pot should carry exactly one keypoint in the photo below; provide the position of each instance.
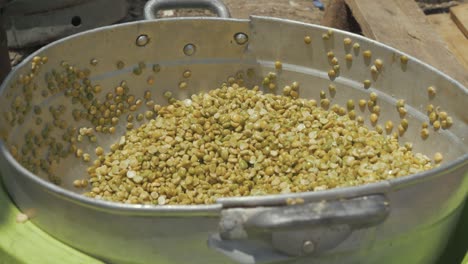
(308, 247)
(241, 38)
(189, 49)
(142, 40)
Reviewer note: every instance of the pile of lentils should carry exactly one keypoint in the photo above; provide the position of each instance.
(235, 141)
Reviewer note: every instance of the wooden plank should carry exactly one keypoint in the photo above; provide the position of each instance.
(459, 15)
(456, 41)
(402, 24)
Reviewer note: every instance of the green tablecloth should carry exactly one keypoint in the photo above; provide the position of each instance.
(26, 243)
(457, 248)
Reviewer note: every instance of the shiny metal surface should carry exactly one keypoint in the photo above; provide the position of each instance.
(216, 6)
(190, 49)
(142, 40)
(241, 38)
(423, 208)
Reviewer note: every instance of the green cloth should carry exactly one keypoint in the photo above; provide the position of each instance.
(26, 243)
(457, 248)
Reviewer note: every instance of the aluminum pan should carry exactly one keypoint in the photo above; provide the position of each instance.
(269, 199)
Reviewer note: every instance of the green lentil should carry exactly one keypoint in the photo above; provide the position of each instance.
(431, 91)
(438, 157)
(404, 59)
(347, 41)
(279, 144)
(367, 84)
(278, 65)
(367, 54)
(350, 104)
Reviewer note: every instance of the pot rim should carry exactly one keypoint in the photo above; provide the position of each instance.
(139, 209)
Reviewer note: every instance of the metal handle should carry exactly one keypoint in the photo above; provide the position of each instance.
(264, 234)
(362, 211)
(216, 6)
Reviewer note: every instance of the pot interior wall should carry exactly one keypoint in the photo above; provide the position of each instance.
(108, 57)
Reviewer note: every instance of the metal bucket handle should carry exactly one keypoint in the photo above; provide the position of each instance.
(279, 233)
(216, 6)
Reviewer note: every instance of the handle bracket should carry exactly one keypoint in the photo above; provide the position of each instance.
(291, 231)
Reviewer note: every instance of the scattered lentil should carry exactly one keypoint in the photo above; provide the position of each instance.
(182, 85)
(332, 74)
(404, 123)
(77, 183)
(332, 89)
(99, 151)
(278, 65)
(362, 103)
(401, 130)
(429, 108)
(347, 41)
(402, 111)
(367, 84)
(404, 59)
(443, 115)
(438, 157)
(336, 68)
(367, 54)
(424, 133)
(431, 91)
(378, 64)
(379, 129)
(400, 103)
(356, 46)
(334, 61)
(350, 104)
(389, 126)
(376, 109)
(449, 122)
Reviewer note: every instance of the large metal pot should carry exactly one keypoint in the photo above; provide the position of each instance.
(405, 220)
